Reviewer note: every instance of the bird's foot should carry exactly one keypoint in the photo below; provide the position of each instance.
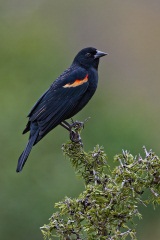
(78, 125)
(74, 129)
(75, 137)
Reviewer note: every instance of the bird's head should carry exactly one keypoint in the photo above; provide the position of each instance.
(89, 57)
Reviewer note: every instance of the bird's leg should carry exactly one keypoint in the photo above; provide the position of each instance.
(66, 125)
(74, 129)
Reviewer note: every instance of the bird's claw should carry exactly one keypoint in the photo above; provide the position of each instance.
(77, 125)
(75, 137)
(75, 129)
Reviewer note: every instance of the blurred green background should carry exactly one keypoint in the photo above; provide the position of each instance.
(38, 40)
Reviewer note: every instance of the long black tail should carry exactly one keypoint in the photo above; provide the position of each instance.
(23, 158)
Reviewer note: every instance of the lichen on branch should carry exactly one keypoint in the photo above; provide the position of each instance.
(107, 207)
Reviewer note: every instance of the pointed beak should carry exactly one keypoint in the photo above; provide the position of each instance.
(100, 54)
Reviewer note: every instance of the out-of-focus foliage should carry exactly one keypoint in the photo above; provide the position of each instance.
(108, 206)
(38, 40)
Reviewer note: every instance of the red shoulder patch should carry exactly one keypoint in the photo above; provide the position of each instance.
(77, 82)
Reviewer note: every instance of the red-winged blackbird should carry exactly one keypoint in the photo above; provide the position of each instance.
(67, 95)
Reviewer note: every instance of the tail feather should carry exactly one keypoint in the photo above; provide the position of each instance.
(23, 158)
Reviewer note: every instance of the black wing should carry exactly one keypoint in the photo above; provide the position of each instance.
(58, 103)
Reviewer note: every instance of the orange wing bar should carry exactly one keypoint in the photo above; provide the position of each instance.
(77, 82)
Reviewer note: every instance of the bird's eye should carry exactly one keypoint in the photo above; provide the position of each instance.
(88, 54)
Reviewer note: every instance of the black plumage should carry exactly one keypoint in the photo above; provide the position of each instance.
(67, 95)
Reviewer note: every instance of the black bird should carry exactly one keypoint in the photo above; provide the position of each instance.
(67, 95)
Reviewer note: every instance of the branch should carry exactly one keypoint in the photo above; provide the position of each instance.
(110, 201)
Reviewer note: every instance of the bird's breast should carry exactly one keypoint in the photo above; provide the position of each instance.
(93, 79)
